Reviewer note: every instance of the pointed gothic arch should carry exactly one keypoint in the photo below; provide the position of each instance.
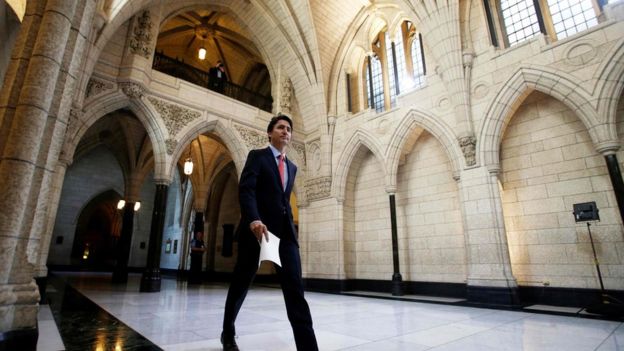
(360, 139)
(100, 107)
(413, 119)
(557, 84)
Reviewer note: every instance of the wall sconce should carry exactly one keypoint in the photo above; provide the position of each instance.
(121, 204)
(137, 205)
(201, 53)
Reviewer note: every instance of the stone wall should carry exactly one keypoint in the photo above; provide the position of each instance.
(548, 164)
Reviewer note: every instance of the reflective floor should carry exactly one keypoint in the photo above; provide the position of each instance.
(182, 317)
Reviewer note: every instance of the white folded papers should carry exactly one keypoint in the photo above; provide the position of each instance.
(269, 251)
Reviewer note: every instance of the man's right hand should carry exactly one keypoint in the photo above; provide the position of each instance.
(258, 228)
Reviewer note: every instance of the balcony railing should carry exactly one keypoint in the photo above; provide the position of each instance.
(181, 70)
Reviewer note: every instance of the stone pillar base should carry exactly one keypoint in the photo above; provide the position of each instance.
(21, 339)
(493, 295)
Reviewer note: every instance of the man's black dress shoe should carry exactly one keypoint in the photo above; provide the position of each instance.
(228, 342)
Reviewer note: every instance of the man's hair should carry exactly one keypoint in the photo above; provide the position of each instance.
(274, 120)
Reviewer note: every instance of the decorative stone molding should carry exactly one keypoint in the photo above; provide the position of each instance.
(443, 103)
(285, 102)
(132, 90)
(314, 163)
(253, 139)
(174, 116)
(96, 87)
(171, 144)
(468, 145)
(580, 53)
(480, 91)
(299, 149)
(382, 126)
(318, 188)
(140, 42)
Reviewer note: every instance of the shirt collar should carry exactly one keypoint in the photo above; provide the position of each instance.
(274, 151)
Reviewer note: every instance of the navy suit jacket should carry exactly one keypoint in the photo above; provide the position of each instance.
(262, 196)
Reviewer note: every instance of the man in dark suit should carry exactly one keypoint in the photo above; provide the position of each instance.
(217, 77)
(264, 194)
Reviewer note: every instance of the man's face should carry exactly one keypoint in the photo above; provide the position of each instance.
(281, 133)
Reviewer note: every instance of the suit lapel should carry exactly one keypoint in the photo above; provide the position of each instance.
(291, 174)
(273, 166)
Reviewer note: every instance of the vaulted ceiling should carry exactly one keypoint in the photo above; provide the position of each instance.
(183, 35)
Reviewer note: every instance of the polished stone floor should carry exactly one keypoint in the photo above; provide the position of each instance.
(182, 317)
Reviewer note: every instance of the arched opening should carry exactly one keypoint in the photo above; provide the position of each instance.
(431, 235)
(97, 233)
(549, 163)
(367, 239)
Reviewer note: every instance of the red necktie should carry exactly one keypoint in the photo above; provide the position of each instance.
(281, 169)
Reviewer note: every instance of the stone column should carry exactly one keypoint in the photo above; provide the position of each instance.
(397, 280)
(490, 278)
(616, 179)
(54, 195)
(29, 130)
(150, 281)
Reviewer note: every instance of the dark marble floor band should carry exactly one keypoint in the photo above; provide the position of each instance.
(83, 325)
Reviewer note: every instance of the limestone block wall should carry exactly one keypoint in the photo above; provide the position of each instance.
(321, 239)
(110, 59)
(548, 164)
(432, 246)
(368, 245)
(87, 177)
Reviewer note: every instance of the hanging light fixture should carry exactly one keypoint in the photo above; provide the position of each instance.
(188, 164)
(137, 205)
(121, 204)
(201, 53)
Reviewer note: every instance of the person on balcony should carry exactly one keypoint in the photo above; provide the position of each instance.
(217, 78)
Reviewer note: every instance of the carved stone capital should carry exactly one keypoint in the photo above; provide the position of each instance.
(318, 188)
(175, 116)
(96, 87)
(171, 144)
(141, 36)
(299, 149)
(285, 101)
(132, 90)
(468, 146)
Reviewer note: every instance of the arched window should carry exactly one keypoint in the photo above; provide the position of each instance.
(377, 84)
(418, 61)
(520, 18)
(572, 16)
(393, 67)
(523, 19)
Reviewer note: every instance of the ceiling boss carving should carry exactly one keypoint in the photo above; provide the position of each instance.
(174, 116)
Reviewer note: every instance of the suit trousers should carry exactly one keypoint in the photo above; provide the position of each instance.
(290, 279)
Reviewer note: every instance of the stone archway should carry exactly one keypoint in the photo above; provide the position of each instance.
(97, 233)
